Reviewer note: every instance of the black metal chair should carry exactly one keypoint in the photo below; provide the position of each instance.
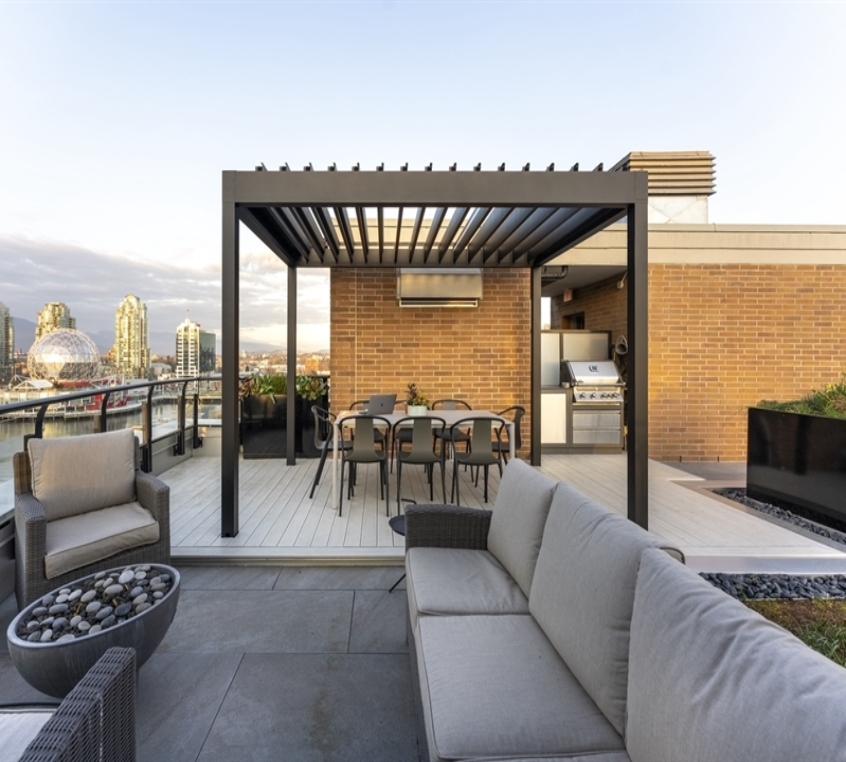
(449, 437)
(503, 445)
(422, 450)
(484, 432)
(378, 436)
(362, 449)
(324, 423)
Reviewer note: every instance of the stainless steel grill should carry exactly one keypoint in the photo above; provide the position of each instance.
(595, 405)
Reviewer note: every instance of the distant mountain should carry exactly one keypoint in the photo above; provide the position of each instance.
(24, 333)
(161, 342)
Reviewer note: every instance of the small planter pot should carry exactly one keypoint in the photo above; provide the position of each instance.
(417, 410)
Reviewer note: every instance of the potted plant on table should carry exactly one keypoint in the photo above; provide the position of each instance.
(416, 401)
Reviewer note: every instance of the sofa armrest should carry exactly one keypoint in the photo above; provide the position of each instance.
(154, 495)
(30, 536)
(446, 526)
(97, 716)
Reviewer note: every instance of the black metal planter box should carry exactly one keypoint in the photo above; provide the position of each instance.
(264, 426)
(797, 458)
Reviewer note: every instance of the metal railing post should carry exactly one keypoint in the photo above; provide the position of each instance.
(103, 405)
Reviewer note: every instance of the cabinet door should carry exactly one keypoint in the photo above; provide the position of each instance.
(553, 418)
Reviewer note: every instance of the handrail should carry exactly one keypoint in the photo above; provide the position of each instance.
(42, 403)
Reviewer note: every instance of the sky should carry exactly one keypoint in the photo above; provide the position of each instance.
(117, 119)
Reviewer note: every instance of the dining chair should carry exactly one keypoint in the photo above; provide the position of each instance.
(378, 436)
(449, 437)
(503, 445)
(362, 449)
(324, 423)
(422, 450)
(484, 432)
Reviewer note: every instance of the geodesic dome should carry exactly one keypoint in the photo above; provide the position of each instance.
(64, 355)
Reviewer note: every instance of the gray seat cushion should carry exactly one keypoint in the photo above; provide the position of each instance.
(78, 541)
(519, 515)
(444, 581)
(493, 686)
(583, 593)
(72, 475)
(711, 680)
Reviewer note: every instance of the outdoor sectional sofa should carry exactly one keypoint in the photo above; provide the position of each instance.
(553, 629)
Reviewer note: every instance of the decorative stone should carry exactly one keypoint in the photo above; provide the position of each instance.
(142, 607)
(39, 611)
(90, 595)
(99, 575)
(123, 609)
(74, 594)
(95, 628)
(60, 623)
(48, 600)
(59, 608)
(84, 626)
(93, 607)
(158, 594)
(136, 591)
(139, 599)
(103, 613)
(66, 636)
(141, 575)
(127, 576)
(47, 635)
(75, 621)
(112, 590)
(63, 598)
(108, 621)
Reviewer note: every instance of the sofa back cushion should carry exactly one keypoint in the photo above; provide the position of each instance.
(73, 475)
(711, 679)
(519, 515)
(583, 592)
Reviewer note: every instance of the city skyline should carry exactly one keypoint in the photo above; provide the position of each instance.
(111, 157)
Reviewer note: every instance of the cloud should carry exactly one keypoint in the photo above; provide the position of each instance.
(93, 284)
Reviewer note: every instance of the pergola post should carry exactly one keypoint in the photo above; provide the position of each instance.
(230, 380)
(292, 367)
(637, 312)
(536, 365)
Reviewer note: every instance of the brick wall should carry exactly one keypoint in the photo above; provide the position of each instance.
(481, 355)
(723, 337)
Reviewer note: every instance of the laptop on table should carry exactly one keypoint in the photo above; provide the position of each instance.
(381, 404)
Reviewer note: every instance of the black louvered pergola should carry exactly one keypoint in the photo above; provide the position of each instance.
(434, 219)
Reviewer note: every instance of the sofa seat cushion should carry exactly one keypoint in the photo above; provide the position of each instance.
(583, 593)
(712, 680)
(518, 518)
(78, 541)
(73, 475)
(449, 581)
(493, 686)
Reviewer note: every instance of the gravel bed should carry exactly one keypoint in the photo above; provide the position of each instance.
(773, 586)
(784, 514)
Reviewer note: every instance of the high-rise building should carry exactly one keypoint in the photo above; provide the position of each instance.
(7, 345)
(54, 315)
(132, 338)
(195, 349)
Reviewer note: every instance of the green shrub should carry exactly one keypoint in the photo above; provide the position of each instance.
(829, 402)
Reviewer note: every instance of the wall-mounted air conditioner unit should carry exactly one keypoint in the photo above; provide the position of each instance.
(439, 287)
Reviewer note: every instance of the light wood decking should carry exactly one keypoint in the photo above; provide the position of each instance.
(279, 523)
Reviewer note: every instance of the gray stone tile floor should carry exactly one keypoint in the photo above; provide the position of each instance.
(272, 663)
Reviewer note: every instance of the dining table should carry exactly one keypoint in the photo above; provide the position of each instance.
(450, 417)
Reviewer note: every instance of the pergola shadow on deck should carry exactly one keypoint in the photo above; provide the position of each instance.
(491, 219)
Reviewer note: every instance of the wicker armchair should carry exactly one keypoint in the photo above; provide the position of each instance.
(95, 721)
(72, 473)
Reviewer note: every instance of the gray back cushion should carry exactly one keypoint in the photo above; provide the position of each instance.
(709, 679)
(519, 515)
(73, 475)
(583, 592)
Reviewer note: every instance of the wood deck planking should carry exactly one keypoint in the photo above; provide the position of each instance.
(277, 516)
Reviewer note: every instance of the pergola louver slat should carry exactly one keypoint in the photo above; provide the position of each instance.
(470, 229)
(455, 222)
(399, 231)
(380, 225)
(418, 222)
(437, 221)
(361, 216)
(324, 220)
(309, 225)
(346, 231)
